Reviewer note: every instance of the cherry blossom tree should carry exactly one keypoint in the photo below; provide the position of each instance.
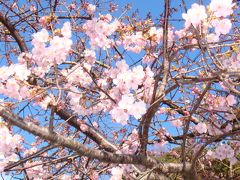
(91, 90)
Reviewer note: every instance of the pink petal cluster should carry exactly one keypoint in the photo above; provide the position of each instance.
(215, 129)
(99, 31)
(89, 56)
(30, 151)
(66, 30)
(223, 151)
(195, 15)
(231, 100)
(222, 26)
(130, 79)
(77, 75)
(43, 103)
(36, 170)
(220, 102)
(125, 80)
(8, 143)
(221, 8)
(76, 102)
(46, 56)
(132, 143)
(232, 63)
(41, 36)
(11, 79)
(212, 37)
(117, 173)
(128, 106)
(90, 8)
(18, 70)
(14, 89)
(134, 42)
(80, 104)
(177, 122)
(157, 34)
(201, 128)
(65, 177)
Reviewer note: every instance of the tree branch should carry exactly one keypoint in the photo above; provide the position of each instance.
(82, 150)
(7, 23)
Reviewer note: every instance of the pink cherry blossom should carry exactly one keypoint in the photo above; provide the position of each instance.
(32, 8)
(212, 37)
(119, 115)
(131, 145)
(21, 71)
(224, 151)
(149, 58)
(117, 173)
(91, 8)
(66, 30)
(99, 32)
(201, 127)
(138, 109)
(232, 63)
(64, 177)
(28, 152)
(134, 42)
(41, 36)
(126, 101)
(177, 122)
(36, 172)
(221, 8)
(157, 34)
(77, 75)
(90, 56)
(8, 143)
(106, 18)
(12, 89)
(138, 72)
(43, 20)
(72, 6)
(46, 101)
(231, 100)
(60, 43)
(56, 52)
(122, 66)
(195, 16)
(222, 26)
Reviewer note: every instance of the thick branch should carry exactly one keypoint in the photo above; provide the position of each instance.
(6, 22)
(82, 150)
(158, 92)
(91, 132)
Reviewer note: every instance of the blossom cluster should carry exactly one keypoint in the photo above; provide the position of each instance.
(8, 145)
(215, 16)
(36, 170)
(233, 62)
(134, 42)
(215, 102)
(131, 145)
(11, 81)
(48, 51)
(223, 151)
(117, 173)
(99, 30)
(128, 88)
(126, 82)
(139, 40)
